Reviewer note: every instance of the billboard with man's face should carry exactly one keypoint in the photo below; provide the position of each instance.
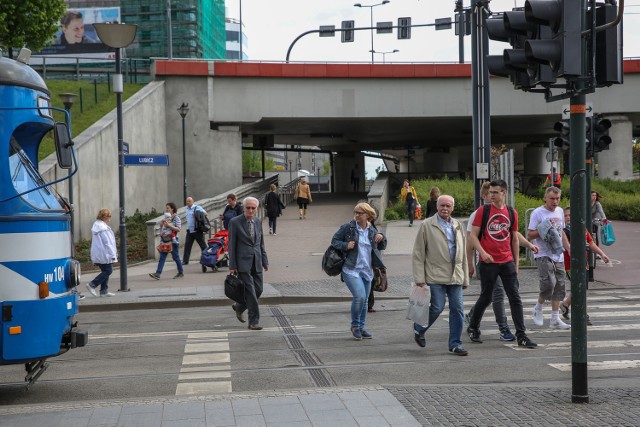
(77, 38)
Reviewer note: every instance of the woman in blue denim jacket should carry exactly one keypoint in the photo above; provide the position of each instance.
(362, 243)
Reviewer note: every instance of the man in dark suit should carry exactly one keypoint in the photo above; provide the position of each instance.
(247, 258)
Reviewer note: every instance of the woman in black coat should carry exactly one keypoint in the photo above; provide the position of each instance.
(273, 206)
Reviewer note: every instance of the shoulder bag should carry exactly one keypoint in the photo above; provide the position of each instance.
(332, 261)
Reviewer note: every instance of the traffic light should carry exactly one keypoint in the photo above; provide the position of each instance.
(510, 27)
(404, 28)
(608, 46)
(562, 140)
(560, 43)
(513, 27)
(348, 35)
(600, 133)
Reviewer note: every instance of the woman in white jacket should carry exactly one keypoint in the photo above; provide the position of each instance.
(103, 253)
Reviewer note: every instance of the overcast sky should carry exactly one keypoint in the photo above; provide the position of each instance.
(272, 25)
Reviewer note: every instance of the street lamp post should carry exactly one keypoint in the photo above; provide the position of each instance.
(371, 6)
(183, 110)
(67, 99)
(384, 54)
(118, 36)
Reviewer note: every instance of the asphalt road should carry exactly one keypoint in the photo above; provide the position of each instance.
(205, 350)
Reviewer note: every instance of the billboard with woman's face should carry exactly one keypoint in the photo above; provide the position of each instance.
(77, 37)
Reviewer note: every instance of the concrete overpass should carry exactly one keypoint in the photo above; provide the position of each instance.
(389, 108)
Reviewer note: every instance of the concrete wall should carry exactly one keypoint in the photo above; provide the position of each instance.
(616, 163)
(96, 182)
(214, 157)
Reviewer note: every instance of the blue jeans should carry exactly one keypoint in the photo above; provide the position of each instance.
(360, 289)
(175, 254)
(102, 279)
(456, 311)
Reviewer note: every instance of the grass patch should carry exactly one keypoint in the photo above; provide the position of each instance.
(97, 100)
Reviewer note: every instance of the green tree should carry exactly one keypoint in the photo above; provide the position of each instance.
(29, 22)
(252, 162)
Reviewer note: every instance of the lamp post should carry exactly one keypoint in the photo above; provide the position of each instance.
(384, 54)
(184, 110)
(67, 99)
(371, 6)
(118, 36)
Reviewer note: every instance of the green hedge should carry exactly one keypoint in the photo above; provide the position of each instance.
(621, 200)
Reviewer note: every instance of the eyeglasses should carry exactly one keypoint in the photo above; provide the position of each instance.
(250, 208)
(359, 213)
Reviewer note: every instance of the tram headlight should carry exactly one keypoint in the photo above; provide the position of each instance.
(74, 274)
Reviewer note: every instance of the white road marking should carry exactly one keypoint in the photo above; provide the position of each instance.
(209, 350)
(595, 344)
(600, 366)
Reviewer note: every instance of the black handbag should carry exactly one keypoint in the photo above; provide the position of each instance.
(332, 261)
(234, 288)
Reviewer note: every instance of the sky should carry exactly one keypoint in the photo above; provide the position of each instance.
(272, 25)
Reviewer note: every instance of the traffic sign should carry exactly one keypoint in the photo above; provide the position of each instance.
(146, 160)
(566, 111)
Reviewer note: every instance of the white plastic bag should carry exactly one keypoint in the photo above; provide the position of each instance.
(418, 310)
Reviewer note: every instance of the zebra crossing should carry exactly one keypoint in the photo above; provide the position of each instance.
(206, 364)
(609, 314)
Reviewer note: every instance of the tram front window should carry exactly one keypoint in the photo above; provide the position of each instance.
(25, 177)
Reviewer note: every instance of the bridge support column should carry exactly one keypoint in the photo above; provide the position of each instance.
(617, 162)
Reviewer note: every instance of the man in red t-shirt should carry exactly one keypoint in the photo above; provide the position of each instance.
(499, 257)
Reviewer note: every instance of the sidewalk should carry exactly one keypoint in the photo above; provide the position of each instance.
(295, 276)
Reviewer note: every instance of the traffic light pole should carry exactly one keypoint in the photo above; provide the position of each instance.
(481, 115)
(579, 182)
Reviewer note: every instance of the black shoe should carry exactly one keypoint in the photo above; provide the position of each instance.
(524, 341)
(255, 327)
(459, 351)
(365, 335)
(564, 309)
(589, 321)
(419, 338)
(185, 263)
(238, 314)
(474, 335)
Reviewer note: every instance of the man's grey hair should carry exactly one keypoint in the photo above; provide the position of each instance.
(552, 189)
(246, 199)
(453, 201)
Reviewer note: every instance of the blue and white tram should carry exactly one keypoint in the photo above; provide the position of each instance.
(38, 275)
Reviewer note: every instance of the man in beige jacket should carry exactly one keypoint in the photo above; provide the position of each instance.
(440, 262)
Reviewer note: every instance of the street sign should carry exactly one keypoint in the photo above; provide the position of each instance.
(146, 160)
(566, 111)
(125, 147)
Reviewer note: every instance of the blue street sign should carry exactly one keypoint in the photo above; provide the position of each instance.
(146, 160)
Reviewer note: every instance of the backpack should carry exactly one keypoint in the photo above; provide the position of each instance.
(202, 222)
(486, 211)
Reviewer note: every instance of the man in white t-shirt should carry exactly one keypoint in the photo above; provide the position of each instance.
(545, 230)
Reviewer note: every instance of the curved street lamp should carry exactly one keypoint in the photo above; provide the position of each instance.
(371, 6)
(118, 36)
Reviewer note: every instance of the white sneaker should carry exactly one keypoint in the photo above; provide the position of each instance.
(92, 290)
(108, 294)
(558, 324)
(538, 319)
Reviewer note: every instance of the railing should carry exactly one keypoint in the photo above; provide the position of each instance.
(214, 207)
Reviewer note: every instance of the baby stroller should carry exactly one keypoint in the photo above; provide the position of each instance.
(216, 254)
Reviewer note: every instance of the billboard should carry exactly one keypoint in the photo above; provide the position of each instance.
(76, 37)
